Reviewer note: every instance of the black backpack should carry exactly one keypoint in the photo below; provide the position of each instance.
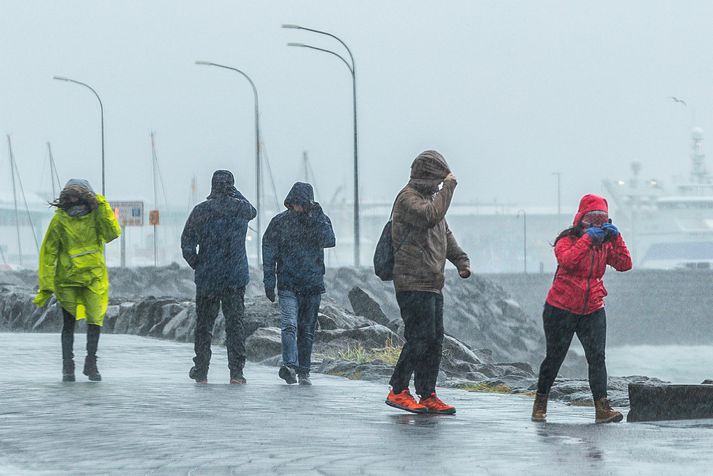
(384, 253)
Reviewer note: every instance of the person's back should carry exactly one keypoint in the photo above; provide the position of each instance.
(296, 243)
(213, 244)
(217, 227)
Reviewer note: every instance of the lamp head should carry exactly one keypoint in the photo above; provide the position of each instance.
(291, 26)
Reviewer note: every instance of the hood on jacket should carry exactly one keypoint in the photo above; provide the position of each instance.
(300, 194)
(81, 183)
(590, 203)
(77, 198)
(221, 184)
(429, 169)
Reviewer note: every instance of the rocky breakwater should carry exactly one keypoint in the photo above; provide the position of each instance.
(481, 313)
(489, 347)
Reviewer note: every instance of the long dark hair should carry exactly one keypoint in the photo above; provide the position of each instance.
(576, 231)
(74, 195)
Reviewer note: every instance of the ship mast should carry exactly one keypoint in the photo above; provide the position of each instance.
(699, 173)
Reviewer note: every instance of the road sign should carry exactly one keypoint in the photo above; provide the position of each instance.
(154, 217)
(128, 213)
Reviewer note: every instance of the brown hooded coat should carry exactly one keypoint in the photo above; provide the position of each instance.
(421, 238)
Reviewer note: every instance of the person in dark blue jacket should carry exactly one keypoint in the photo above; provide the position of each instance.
(217, 228)
(293, 258)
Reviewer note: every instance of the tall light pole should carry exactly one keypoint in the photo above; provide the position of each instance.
(351, 65)
(258, 173)
(559, 192)
(524, 238)
(101, 107)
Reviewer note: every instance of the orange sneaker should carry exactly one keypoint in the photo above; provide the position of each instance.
(435, 405)
(404, 401)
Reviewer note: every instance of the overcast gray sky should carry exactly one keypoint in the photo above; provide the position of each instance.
(508, 91)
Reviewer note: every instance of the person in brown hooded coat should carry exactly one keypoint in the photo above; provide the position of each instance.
(422, 243)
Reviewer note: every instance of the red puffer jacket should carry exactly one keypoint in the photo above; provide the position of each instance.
(578, 286)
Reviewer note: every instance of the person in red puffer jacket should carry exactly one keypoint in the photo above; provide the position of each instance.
(575, 302)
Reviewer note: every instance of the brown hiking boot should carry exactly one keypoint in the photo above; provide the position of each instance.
(539, 408)
(605, 413)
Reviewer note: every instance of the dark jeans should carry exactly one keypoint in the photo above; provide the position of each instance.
(422, 313)
(560, 327)
(299, 319)
(207, 306)
(93, 333)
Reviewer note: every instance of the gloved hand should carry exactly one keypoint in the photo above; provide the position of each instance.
(464, 273)
(270, 293)
(612, 231)
(42, 297)
(596, 234)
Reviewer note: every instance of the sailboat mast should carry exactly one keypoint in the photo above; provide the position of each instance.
(54, 176)
(154, 164)
(14, 198)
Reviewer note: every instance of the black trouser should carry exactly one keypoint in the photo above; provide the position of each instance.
(207, 306)
(93, 333)
(422, 313)
(560, 327)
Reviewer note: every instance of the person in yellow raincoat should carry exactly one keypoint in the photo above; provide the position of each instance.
(72, 267)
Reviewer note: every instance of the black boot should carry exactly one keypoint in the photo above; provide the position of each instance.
(90, 368)
(199, 375)
(68, 370)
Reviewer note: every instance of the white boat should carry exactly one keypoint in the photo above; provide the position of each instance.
(668, 227)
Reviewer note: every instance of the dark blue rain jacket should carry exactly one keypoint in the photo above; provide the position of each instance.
(217, 227)
(293, 245)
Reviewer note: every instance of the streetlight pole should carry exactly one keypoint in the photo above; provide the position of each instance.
(559, 193)
(351, 65)
(258, 171)
(524, 238)
(101, 107)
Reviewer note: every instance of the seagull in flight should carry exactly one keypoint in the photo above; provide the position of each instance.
(679, 100)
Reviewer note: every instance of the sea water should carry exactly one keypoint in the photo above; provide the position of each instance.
(673, 363)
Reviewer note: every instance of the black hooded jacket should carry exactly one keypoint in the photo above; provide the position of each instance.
(217, 228)
(293, 245)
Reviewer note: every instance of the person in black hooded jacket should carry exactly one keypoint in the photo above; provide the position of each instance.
(217, 228)
(293, 259)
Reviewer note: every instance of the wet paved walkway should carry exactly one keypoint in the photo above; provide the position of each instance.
(148, 418)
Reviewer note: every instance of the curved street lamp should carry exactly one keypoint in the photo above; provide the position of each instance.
(258, 173)
(351, 65)
(101, 107)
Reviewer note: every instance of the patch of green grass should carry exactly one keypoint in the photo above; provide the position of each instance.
(389, 354)
(487, 388)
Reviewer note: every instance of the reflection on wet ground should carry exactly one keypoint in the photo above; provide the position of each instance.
(147, 417)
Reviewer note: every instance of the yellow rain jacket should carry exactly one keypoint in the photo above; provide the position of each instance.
(72, 265)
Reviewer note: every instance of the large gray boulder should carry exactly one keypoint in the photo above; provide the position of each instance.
(333, 317)
(365, 305)
(264, 343)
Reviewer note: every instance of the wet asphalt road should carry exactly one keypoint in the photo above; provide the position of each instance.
(146, 417)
